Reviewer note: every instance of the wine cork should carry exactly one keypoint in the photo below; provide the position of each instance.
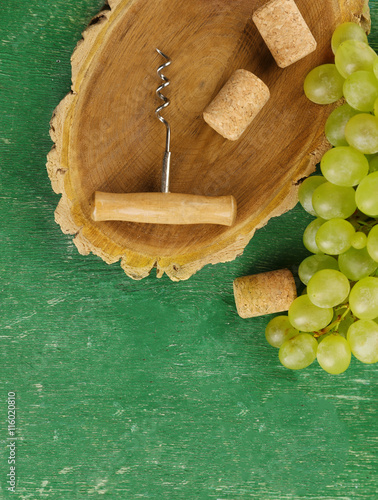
(264, 293)
(236, 104)
(284, 30)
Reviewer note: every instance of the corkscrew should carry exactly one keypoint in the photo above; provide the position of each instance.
(164, 207)
(166, 102)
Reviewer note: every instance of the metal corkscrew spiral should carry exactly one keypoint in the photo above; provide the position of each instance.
(166, 102)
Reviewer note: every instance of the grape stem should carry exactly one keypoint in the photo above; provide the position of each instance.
(362, 222)
(335, 324)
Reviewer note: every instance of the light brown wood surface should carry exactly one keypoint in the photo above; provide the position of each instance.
(107, 137)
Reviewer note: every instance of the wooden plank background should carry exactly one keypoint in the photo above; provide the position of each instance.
(150, 389)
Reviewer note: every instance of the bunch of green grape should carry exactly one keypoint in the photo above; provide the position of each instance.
(337, 315)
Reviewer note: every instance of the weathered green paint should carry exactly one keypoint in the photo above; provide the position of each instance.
(148, 389)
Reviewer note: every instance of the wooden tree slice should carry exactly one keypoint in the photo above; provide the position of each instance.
(107, 137)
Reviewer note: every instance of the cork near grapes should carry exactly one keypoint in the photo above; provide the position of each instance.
(285, 31)
(264, 293)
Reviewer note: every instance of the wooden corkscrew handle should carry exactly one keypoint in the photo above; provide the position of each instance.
(164, 208)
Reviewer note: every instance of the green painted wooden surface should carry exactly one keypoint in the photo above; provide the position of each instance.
(148, 389)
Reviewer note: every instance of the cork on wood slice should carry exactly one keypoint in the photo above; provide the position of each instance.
(107, 137)
(285, 31)
(264, 293)
(237, 104)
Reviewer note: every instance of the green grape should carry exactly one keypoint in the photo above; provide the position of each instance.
(298, 352)
(372, 243)
(309, 235)
(347, 31)
(367, 195)
(354, 55)
(278, 330)
(363, 298)
(375, 68)
(373, 163)
(344, 166)
(324, 84)
(334, 354)
(331, 201)
(328, 288)
(314, 263)
(357, 264)
(359, 240)
(363, 340)
(336, 122)
(306, 190)
(361, 90)
(361, 132)
(334, 236)
(307, 317)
